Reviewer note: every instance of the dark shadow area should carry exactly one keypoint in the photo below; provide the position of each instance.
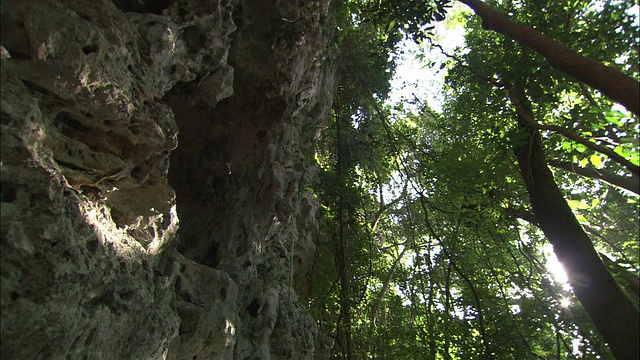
(198, 173)
(143, 6)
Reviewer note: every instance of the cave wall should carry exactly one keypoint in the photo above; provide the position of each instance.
(155, 156)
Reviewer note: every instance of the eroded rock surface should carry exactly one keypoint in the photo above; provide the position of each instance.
(119, 118)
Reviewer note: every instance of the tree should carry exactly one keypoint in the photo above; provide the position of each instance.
(611, 310)
(590, 279)
(434, 218)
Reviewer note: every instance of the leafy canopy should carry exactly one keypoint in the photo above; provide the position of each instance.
(431, 247)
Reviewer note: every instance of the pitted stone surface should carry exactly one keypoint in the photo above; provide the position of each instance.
(119, 118)
(250, 216)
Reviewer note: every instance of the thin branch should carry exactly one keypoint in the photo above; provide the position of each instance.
(635, 169)
(384, 207)
(631, 281)
(495, 82)
(474, 291)
(533, 124)
(631, 183)
(618, 251)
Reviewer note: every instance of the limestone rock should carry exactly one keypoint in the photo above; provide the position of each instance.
(206, 302)
(119, 118)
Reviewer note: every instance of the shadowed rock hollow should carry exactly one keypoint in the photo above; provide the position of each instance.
(154, 157)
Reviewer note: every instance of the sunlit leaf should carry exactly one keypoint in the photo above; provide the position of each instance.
(581, 148)
(614, 117)
(596, 160)
(627, 153)
(578, 204)
(582, 220)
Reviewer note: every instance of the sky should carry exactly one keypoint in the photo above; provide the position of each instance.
(414, 78)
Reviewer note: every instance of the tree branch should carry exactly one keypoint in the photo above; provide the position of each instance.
(610, 81)
(533, 124)
(593, 146)
(631, 183)
(465, 278)
(384, 207)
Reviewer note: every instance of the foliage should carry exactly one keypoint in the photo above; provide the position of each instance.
(436, 253)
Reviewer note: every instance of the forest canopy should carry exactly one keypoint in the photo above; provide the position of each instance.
(442, 223)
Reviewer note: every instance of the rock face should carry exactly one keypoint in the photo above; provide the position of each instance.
(153, 171)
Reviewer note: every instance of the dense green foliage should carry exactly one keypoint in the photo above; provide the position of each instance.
(431, 249)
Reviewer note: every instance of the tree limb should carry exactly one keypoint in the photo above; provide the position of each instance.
(593, 146)
(610, 81)
(465, 278)
(533, 124)
(631, 183)
(384, 207)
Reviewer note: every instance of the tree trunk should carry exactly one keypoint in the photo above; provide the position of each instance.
(343, 252)
(433, 347)
(611, 82)
(613, 314)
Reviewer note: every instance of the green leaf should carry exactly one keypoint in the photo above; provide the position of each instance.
(582, 220)
(623, 151)
(581, 148)
(392, 25)
(343, 15)
(614, 117)
(578, 204)
(596, 160)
